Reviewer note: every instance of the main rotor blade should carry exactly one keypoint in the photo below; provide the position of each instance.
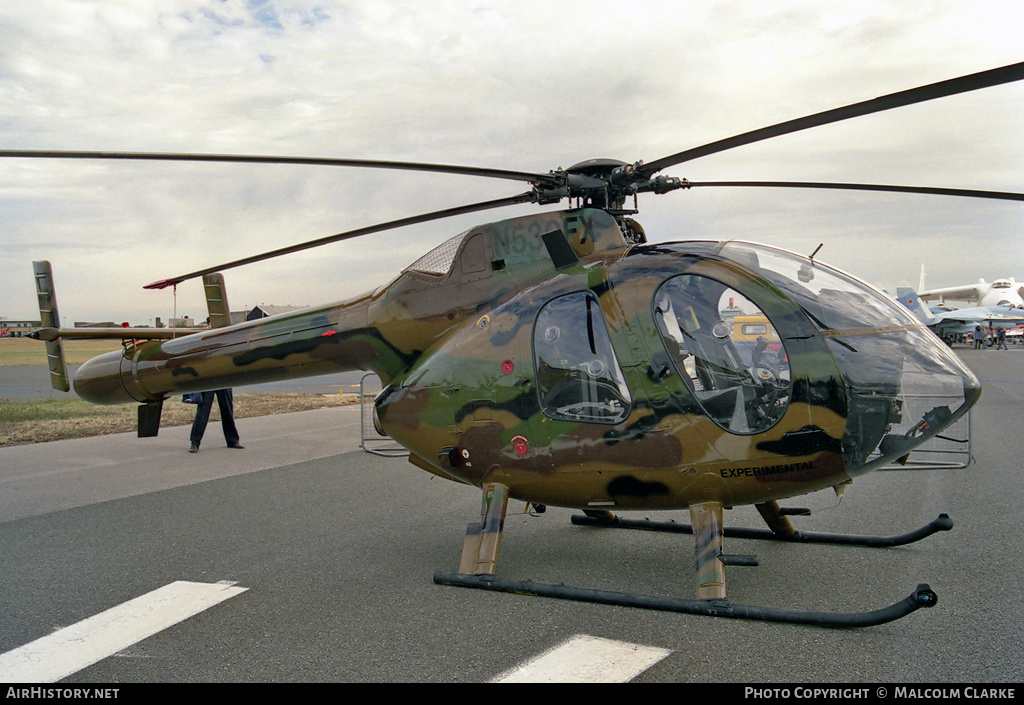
(967, 193)
(546, 179)
(964, 84)
(527, 197)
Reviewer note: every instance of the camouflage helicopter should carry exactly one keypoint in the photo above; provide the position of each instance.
(560, 359)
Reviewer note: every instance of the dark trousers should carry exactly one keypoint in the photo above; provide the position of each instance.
(225, 400)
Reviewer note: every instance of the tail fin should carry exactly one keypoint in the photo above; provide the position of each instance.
(910, 299)
(51, 319)
(217, 300)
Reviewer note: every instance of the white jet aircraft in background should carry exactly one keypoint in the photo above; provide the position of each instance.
(1001, 292)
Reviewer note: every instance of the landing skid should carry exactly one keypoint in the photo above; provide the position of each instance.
(477, 566)
(941, 523)
(923, 596)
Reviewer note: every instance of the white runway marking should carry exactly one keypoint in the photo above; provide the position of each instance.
(586, 659)
(71, 649)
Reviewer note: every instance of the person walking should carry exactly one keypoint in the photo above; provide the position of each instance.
(226, 403)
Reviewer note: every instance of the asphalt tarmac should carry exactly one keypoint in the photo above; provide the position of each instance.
(336, 548)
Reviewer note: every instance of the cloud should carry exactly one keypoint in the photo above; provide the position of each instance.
(525, 85)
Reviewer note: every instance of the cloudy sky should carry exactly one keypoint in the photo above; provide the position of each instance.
(519, 85)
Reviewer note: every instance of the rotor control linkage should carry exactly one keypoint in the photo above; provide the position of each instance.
(941, 523)
(923, 596)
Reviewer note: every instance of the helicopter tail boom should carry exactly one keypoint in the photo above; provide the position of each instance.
(304, 343)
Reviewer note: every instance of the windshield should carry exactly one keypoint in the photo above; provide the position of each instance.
(902, 383)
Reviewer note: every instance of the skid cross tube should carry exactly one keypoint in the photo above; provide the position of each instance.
(941, 523)
(923, 596)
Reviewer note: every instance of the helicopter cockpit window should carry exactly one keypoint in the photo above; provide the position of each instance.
(578, 375)
(726, 351)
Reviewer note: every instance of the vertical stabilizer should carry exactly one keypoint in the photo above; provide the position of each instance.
(51, 319)
(910, 299)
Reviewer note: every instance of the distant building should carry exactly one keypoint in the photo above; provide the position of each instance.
(264, 311)
(15, 328)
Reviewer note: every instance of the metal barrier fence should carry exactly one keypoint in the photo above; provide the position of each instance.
(370, 440)
(949, 450)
